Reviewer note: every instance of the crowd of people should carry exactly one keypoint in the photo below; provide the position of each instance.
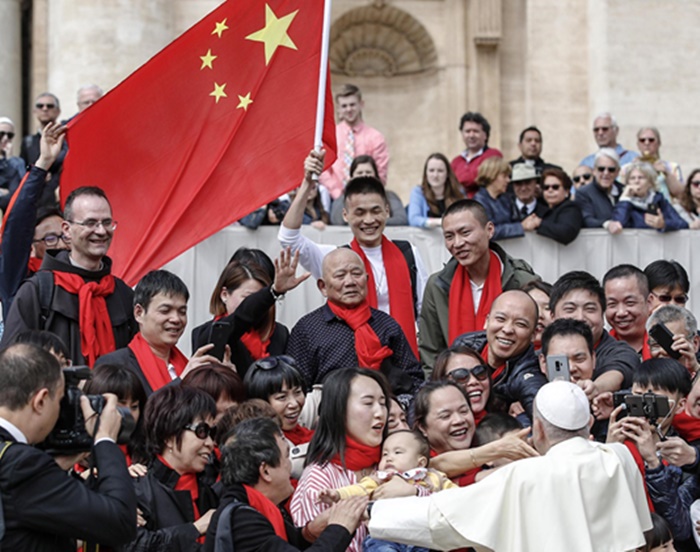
(474, 408)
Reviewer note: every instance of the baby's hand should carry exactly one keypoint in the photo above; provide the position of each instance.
(328, 496)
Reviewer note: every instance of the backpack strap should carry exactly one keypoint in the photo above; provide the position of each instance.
(224, 530)
(45, 285)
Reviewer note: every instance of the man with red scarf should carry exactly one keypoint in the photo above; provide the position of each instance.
(74, 294)
(458, 297)
(346, 331)
(396, 272)
(160, 308)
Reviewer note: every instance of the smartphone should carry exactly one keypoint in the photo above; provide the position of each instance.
(218, 335)
(558, 368)
(653, 209)
(663, 336)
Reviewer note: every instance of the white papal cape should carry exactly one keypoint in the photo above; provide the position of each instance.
(580, 497)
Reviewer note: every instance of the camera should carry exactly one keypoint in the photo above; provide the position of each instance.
(69, 435)
(649, 405)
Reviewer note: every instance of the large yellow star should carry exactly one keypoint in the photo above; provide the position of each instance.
(274, 34)
(220, 27)
(207, 60)
(218, 92)
(244, 102)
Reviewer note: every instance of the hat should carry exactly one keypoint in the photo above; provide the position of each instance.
(564, 405)
(523, 171)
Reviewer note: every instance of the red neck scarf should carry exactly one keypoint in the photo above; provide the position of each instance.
(646, 352)
(186, 482)
(299, 435)
(358, 456)
(398, 279)
(96, 333)
(153, 368)
(497, 370)
(271, 512)
(34, 264)
(687, 426)
(370, 351)
(255, 345)
(461, 317)
(478, 416)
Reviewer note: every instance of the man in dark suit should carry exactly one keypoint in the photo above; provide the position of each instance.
(598, 199)
(44, 509)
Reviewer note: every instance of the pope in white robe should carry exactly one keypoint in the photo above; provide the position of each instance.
(580, 496)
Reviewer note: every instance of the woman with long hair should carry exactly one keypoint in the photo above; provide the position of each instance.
(688, 206)
(438, 190)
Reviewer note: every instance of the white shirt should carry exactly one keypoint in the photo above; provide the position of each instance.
(530, 206)
(13, 430)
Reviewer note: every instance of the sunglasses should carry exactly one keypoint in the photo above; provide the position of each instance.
(604, 169)
(8, 135)
(202, 430)
(647, 140)
(461, 375)
(554, 187)
(45, 105)
(695, 183)
(677, 299)
(601, 129)
(580, 177)
(272, 362)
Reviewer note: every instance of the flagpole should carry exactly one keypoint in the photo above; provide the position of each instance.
(322, 76)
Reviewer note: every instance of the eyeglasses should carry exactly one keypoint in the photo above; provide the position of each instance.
(604, 169)
(8, 135)
(272, 362)
(681, 299)
(524, 182)
(51, 240)
(601, 129)
(580, 177)
(554, 187)
(202, 430)
(461, 375)
(647, 140)
(92, 224)
(695, 183)
(45, 105)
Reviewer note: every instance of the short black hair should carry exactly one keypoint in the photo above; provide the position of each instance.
(262, 383)
(494, 426)
(169, 410)
(663, 373)
(159, 281)
(572, 281)
(628, 271)
(659, 534)
(471, 205)
(667, 273)
(421, 404)
(247, 256)
(364, 185)
(78, 192)
(48, 341)
(251, 443)
(531, 128)
(478, 118)
(47, 211)
(25, 369)
(567, 326)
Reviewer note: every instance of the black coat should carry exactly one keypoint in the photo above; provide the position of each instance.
(45, 509)
(595, 204)
(562, 223)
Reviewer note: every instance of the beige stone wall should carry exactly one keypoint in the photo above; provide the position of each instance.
(553, 63)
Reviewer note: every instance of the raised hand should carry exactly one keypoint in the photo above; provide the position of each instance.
(285, 272)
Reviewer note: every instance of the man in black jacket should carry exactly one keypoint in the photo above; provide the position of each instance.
(44, 509)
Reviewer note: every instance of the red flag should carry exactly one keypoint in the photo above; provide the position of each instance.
(212, 127)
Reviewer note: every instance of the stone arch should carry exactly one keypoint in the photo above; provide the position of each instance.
(380, 40)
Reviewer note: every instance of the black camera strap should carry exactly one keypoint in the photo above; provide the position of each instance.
(5, 446)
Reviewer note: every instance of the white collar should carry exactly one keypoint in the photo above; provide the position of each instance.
(13, 430)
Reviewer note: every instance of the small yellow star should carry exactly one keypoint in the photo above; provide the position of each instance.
(218, 92)
(244, 102)
(220, 27)
(274, 34)
(207, 60)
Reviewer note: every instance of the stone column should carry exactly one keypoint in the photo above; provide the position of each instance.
(487, 27)
(11, 63)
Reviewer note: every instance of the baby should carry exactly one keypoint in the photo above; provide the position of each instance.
(491, 428)
(405, 454)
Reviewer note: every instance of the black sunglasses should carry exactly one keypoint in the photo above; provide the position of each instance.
(202, 430)
(271, 362)
(461, 375)
(580, 177)
(45, 105)
(603, 169)
(9, 135)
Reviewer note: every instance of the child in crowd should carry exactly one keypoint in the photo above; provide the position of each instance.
(659, 538)
(493, 427)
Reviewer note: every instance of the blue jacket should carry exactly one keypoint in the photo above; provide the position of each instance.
(595, 204)
(418, 208)
(631, 216)
(672, 493)
(500, 213)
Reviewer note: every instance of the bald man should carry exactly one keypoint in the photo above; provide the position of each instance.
(506, 345)
(347, 332)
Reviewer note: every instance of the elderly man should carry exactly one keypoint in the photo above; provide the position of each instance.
(684, 327)
(605, 131)
(255, 473)
(75, 294)
(527, 208)
(475, 131)
(458, 298)
(504, 510)
(530, 146)
(346, 331)
(88, 95)
(598, 198)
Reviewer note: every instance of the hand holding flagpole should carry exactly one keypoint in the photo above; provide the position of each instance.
(322, 79)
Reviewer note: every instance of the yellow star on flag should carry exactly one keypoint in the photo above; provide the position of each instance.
(220, 27)
(207, 60)
(244, 102)
(218, 92)
(274, 34)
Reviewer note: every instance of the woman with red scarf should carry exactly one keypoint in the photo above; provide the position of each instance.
(346, 445)
(175, 501)
(245, 297)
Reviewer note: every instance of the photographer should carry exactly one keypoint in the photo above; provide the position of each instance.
(654, 443)
(44, 509)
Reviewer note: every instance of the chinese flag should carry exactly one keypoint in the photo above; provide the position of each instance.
(212, 127)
